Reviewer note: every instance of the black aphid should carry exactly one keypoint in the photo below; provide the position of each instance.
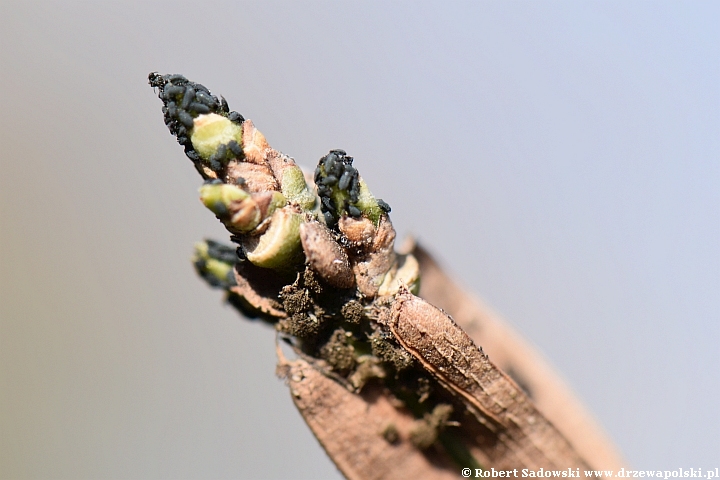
(329, 180)
(185, 118)
(235, 148)
(220, 209)
(214, 159)
(355, 188)
(221, 152)
(383, 205)
(176, 78)
(184, 100)
(344, 181)
(221, 252)
(173, 91)
(354, 211)
(215, 165)
(236, 117)
(330, 160)
(328, 204)
(187, 98)
(205, 99)
(199, 108)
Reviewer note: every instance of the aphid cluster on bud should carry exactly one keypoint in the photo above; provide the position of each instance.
(338, 186)
(215, 263)
(343, 192)
(185, 104)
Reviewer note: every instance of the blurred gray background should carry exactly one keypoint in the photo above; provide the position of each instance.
(560, 158)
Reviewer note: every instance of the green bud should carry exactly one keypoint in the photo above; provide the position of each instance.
(215, 263)
(233, 205)
(279, 247)
(343, 192)
(368, 204)
(212, 130)
(295, 188)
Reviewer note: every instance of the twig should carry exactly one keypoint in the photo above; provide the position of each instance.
(387, 382)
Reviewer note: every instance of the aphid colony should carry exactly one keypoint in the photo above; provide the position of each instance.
(183, 102)
(342, 191)
(263, 199)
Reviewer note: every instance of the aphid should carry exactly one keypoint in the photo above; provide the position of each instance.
(329, 180)
(185, 119)
(221, 152)
(236, 117)
(337, 169)
(220, 252)
(192, 155)
(187, 98)
(206, 99)
(344, 181)
(329, 219)
(200, 108)
(214, 164)
(176, 78)
(173, 91)
(328, 204)
(235, 148)
(224, 105)
(353, 211)
(383, 205)
(219, 209)
(214, 161)
(330, 160)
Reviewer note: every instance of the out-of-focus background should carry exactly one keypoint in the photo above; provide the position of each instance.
(560, 158)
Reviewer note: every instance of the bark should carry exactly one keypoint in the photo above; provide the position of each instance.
(515, 356)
